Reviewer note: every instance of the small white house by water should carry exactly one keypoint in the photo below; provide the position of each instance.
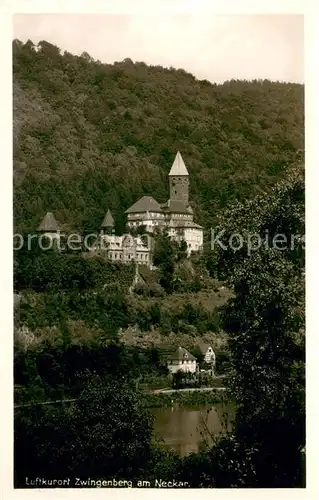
(181, 360)
(208, 353)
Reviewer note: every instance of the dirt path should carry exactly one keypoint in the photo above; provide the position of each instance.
(193, 389)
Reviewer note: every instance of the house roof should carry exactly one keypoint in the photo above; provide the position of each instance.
(48, 223)
(180, 354)
(203, 347)
(129, 241)
(178, 167)
(108, 220)
(175, 206)
(184, 224)
(144, 204)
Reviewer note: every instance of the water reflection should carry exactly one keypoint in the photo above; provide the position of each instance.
(187, 429)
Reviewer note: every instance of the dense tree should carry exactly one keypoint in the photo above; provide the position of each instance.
(106, 433)
(167, 254)
(51, 270)
(91, 136)
(165, 258)
(265, 323)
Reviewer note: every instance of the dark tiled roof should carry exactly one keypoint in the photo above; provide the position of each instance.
(203, 347)
(144, 204)
(108, 220)
(175, 206)
(48, 223)
(185, 224)
(181, 354)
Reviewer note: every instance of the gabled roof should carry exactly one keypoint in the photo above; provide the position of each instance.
(48, 223)
(178, 167)
(175, 206)
(108, 220)
(128, 241)
(144, 204)
(181, 354)
(203, 347)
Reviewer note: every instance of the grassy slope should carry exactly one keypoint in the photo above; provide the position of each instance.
(206, 300)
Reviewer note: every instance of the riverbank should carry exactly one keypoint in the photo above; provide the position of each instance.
(189, 398)
(188, 389)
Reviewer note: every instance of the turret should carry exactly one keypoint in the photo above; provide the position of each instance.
(179, 180)
(48, 224)
(108, 223)
(49, 227)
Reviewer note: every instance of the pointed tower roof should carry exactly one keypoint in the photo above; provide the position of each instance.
(48, 223)
(178, 167)
(108, 220)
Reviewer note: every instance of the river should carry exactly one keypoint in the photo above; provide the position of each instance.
(186, 430)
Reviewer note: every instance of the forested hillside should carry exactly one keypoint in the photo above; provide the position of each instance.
(90, 136)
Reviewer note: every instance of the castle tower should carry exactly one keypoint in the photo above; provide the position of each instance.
(178, 180)
(108, 223)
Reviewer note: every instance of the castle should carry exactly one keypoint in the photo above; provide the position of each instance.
(176, 216)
